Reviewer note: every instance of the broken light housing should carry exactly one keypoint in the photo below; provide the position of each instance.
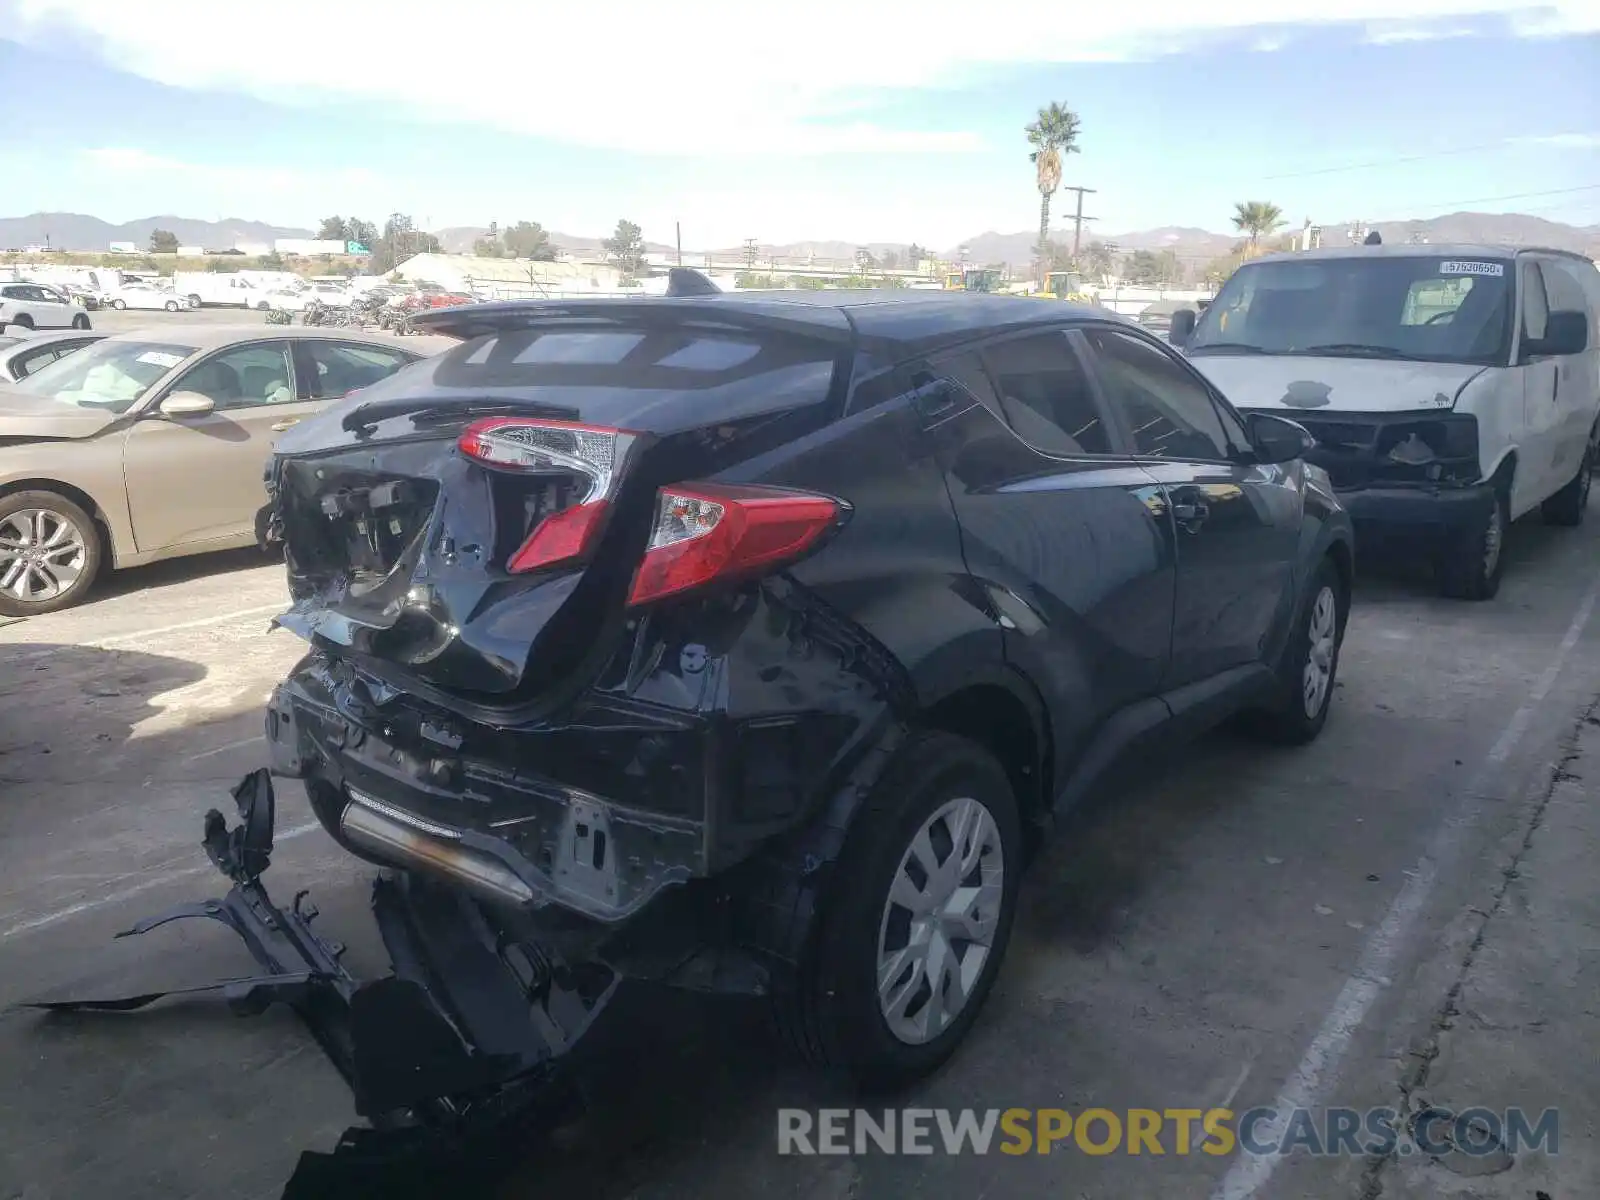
(593, 454)
(1438, 448)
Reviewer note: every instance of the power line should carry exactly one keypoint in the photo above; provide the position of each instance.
(1383, 162)
(1587, 187)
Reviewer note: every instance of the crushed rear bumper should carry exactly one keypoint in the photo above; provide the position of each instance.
(452, 1057)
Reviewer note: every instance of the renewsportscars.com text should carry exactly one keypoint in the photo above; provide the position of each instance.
(1178, 1131)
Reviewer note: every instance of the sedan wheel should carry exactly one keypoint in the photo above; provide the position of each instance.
(119, 305)
(172, 306)
(49, 553)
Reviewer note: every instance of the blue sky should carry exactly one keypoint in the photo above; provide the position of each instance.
(797, 121)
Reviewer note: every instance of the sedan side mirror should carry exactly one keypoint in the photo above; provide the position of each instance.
(1566, 331)
(187, 404)
(1182, 328)
(1277, 439)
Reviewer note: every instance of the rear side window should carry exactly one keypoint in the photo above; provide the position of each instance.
(326, 369)
(25, 364)
(1046, 396)
(1166, 410)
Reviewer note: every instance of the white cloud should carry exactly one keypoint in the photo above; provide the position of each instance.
(1390, 33)
(113, 163)
(1563, 141)
(693, 76)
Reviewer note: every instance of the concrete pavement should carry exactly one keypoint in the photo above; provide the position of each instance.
(1234, 927)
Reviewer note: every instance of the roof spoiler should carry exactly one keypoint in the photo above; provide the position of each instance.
(468, 321)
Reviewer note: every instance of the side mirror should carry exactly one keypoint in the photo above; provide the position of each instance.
(187, 404)
(1182, 327)
(1277, 439)
(1566, 331)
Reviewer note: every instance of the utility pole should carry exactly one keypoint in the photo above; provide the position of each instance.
(677, 229)
(751, 250)
(1078, 218)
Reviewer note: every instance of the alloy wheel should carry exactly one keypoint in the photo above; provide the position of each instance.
(1322, 636)
(939, 921)
(42, 555)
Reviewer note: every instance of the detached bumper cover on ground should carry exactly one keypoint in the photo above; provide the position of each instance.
(462, 1040)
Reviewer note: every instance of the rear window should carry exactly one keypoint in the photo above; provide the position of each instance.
(650, 377)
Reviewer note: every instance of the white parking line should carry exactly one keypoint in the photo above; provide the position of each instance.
(138, 635)
(223, 749)
(1320, 1064)
(45, 920)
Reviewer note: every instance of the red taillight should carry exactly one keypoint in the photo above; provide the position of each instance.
(532, 446)
(705, 532)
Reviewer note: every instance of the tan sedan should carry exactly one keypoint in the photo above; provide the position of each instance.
(151, 445)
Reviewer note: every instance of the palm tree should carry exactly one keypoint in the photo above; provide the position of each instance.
(1256, 219)
(1052, 134)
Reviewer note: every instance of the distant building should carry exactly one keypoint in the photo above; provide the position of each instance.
(308, 246)
(510, 278)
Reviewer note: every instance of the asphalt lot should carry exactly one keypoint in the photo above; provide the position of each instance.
(1232, 926)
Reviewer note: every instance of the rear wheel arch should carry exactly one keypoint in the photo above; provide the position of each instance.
(1343, 559)
(1002, 712)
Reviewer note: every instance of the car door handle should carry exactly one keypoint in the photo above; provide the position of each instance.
(280, 426)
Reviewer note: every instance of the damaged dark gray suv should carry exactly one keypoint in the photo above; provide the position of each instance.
(745, 642)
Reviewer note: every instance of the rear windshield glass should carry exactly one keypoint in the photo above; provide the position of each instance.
(1424, 307)
(650, 377)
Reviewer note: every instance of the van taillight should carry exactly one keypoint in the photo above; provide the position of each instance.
(707, 533)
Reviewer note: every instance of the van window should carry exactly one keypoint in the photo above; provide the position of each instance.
(1421, 307)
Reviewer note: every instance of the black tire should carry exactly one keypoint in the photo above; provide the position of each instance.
(22, 321)
(194, 299)
(1568, 505)
(80, 321)
(832, 1016)
(89, 562)
(172, 306)
(119, 305)
(1467, 570)
(1292, 718)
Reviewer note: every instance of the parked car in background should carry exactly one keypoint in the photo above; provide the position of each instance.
(149, 445)
(83, 297)
(21, 356)
(223, 289)
(1451, 389)
(35, 306)
(147, 296)
(299, 299)
(763, 633)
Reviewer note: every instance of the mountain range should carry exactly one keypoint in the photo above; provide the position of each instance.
(76, 231)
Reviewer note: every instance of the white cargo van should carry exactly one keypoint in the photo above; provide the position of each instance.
(220, 289)
(1451, 389)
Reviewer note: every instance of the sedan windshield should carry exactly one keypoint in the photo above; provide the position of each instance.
(1424, 308)
(112, 375)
